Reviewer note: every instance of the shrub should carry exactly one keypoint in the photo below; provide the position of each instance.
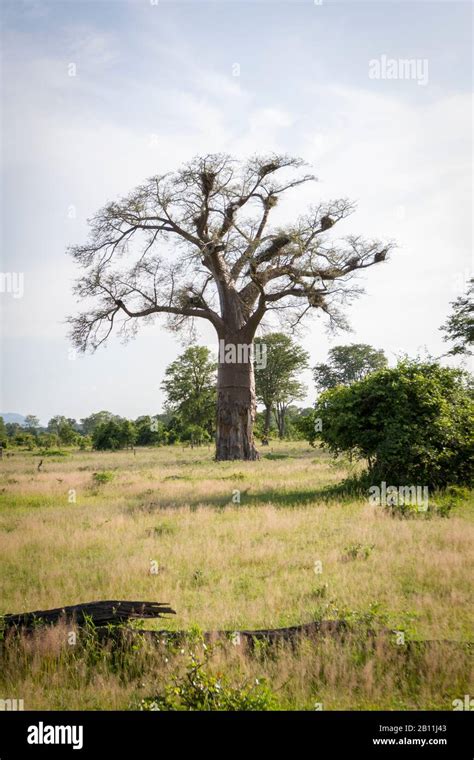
(102, 477)
(195, 435)
(199, 690)
(357, 551)
(412, 424)
(47, 440)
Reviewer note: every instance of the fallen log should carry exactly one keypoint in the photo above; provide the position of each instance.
(98, 613)
(108, 618)
(247, 638)
(338, 630)
(273, 635)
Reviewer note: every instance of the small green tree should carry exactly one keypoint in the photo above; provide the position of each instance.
(347, 364)
(65, 428)
(47, 440)
(459, 327)
(412, 424)
(32, 423)
(276, 380)
(190, 388)
(29, 440)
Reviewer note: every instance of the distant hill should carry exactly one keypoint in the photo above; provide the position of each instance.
(13, 417)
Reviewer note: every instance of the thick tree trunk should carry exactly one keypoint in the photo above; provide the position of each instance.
(236, 405)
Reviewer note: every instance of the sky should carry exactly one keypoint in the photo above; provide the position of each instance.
(99, 95)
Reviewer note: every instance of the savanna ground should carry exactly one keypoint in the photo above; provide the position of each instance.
(162, 525)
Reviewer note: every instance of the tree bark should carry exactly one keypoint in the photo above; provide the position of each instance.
(236, 404)
(268, 418)
(280, 417)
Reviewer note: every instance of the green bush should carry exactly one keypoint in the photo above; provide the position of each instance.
(195, 435)
(102, 477)
(151, 431)
(200, 690)
(113, 434)
(411, 423)
(47, 440)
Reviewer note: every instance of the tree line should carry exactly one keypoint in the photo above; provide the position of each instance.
(190, 388)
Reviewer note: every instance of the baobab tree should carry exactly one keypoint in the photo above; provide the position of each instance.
(198, 244)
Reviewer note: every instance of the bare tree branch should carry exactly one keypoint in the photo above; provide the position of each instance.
(198, 244)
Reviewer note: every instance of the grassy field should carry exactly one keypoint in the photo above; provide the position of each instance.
(165, 525)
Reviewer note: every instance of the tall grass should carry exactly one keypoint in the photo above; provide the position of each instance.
(167, 526)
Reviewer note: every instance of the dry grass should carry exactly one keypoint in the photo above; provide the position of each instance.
(227, 565)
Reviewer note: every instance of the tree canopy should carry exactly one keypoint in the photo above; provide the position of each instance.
(347, 364)
(195, 242)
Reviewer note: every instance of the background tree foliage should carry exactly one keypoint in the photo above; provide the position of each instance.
(459, 327)
(151, 431)
(32, 422)
(114, 434)
(66, 428)
(190, 388)
(347, 364)
(90, 423)
(277, 384)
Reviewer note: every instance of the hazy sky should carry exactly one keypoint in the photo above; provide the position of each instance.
(155, 84)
